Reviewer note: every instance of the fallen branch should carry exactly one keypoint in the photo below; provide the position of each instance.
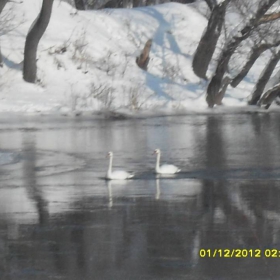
(143, 60)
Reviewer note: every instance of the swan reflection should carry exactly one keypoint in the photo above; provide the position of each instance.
(158, 189)
(176, 189)
(110, 185)
(110, 203)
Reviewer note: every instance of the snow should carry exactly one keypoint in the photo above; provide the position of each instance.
(97, 72)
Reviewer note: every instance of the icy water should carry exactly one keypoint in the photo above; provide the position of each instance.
(59, 219)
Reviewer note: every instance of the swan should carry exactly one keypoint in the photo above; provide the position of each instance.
(117, 174)
(165, 168)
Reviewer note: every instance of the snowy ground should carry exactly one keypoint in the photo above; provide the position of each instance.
(97, 72)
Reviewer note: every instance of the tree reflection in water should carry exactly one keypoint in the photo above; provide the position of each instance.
(78, 226)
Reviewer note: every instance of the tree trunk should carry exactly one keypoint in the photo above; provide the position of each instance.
(211, 4)
(256, 52)
(80, 5)
(229, 49)
(3, 4)
(34, 35)
(215, 83)
(208, 41)
(264, 78)
(269, 96)
(222, 92)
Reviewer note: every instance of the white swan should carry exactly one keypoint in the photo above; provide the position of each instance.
(166, 168)
(118, 174)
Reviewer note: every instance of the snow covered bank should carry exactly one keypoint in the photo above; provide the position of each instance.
(86, 61)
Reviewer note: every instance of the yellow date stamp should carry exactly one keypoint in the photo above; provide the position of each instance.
(239, 253)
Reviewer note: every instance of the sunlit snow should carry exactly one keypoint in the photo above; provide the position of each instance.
(86, 61)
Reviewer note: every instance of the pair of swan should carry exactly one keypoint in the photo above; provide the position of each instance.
(123, 175)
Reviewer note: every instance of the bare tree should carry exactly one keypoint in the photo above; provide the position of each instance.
(216, 81)
(269, 96)
(34, 35)
(264, 78)
(209, 39)
(253, 56)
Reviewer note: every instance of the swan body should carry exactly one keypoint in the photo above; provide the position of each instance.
(165, 168)
(116, 174)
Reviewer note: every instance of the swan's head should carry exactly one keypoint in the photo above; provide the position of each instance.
(110, 154)
(156, 151)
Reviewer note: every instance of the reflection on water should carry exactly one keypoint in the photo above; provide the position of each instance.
(60, 220)
(158, 189)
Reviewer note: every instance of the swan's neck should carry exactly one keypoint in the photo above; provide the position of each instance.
(157, 162)
(110, 165)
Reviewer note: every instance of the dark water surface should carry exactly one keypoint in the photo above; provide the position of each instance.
(60, 220)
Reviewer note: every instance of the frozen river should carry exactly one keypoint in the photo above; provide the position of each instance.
(59, 219)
